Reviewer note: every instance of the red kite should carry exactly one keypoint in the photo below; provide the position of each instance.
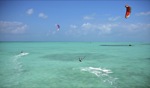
(128, 11)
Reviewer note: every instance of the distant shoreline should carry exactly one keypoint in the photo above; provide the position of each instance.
(117, 45)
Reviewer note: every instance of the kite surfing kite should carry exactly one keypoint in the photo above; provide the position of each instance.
(128, 11)
(57, 27)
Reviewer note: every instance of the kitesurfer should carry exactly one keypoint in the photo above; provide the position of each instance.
(21, 52)
(81, 58)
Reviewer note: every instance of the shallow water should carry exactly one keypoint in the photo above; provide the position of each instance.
(56, 65)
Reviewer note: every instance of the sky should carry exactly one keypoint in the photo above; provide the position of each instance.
(79, 20)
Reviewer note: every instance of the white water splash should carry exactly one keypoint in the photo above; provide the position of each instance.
(97, 71)
(102, 73)
(21, 54)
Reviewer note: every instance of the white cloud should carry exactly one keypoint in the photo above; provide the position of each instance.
(108, 29)
(88, 17)
(135, 26)
(12, 27)
(143, 13)
(42, 15)
(91, 29)
(101, 27)
(73, 26)
(87, 26)
(30, 11)
(113, 18)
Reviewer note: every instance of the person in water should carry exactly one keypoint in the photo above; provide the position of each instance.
(81, 58)
(21, 52)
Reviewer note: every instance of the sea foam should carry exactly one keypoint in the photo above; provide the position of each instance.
(21, 54)
(102, 73)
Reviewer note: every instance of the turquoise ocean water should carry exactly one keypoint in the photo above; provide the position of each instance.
(56, 65)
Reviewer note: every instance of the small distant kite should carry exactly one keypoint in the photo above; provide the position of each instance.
(128, 11)
(57, 27)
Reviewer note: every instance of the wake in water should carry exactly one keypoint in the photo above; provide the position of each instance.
(17, 64)
(18, 68)
(101, 73)
(21, 54)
